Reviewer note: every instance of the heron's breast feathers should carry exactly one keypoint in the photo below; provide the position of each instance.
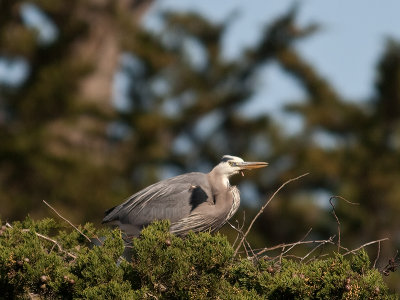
(235, 201)
(202, 221)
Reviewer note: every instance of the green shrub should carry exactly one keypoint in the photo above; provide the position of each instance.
(41, 258)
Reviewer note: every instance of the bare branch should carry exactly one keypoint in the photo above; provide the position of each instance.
(245, 249)
(55, 243)
(336, 217)
(316, 247)
(377, 255)
(365, 245)
(239, 229)
(281, 256)
(262, 210)
(297, 243)
(291, 244)
(251, 250)
(47, 239)
(76, 228)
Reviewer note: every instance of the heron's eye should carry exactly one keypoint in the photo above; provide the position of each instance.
(232, 164)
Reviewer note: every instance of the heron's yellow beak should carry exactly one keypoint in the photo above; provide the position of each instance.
(251, 165)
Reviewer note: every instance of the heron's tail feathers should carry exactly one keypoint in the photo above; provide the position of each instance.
(110, 214)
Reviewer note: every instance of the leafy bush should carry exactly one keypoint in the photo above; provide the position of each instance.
(41, 258)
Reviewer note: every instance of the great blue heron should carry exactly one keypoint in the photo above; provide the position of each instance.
(192, 201)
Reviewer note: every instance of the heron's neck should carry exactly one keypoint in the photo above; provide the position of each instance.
(225, 180)
(221, 191)
(221, 181)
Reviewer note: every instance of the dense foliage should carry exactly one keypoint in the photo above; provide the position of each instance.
(42, 259)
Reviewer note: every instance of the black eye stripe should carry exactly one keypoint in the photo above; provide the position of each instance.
(226, 159)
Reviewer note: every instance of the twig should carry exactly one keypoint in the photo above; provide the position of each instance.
(251, 250)
(281, 256)
(377, 255)
(76, 228)
(297, 243)
(365, 245)
(316, 247)
(284, 251)
(262, 210)
(48, 239)
(55, 243)
(245, 249)
(290, 244)
(238, 228)
(336, 217)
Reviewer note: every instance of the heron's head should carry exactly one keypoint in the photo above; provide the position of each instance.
(231, 165)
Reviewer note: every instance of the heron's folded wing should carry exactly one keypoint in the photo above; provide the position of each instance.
(168, 199)
(198, 223)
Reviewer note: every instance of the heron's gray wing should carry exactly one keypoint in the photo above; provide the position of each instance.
(197, 222)
(171, 199)
(209, 216)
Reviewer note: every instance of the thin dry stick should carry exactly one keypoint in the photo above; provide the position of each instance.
(316, 247)
(297, 243)
(262, 210)
(245, 249)
(290, 244)
(377, 255)
(365, 245)
(55, 243)
(336, 217)
(76, 228)
(281, 256)
(251, 250)
(48, 239)
(239, 228)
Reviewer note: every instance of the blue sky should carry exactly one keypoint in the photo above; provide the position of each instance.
(345, 51)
